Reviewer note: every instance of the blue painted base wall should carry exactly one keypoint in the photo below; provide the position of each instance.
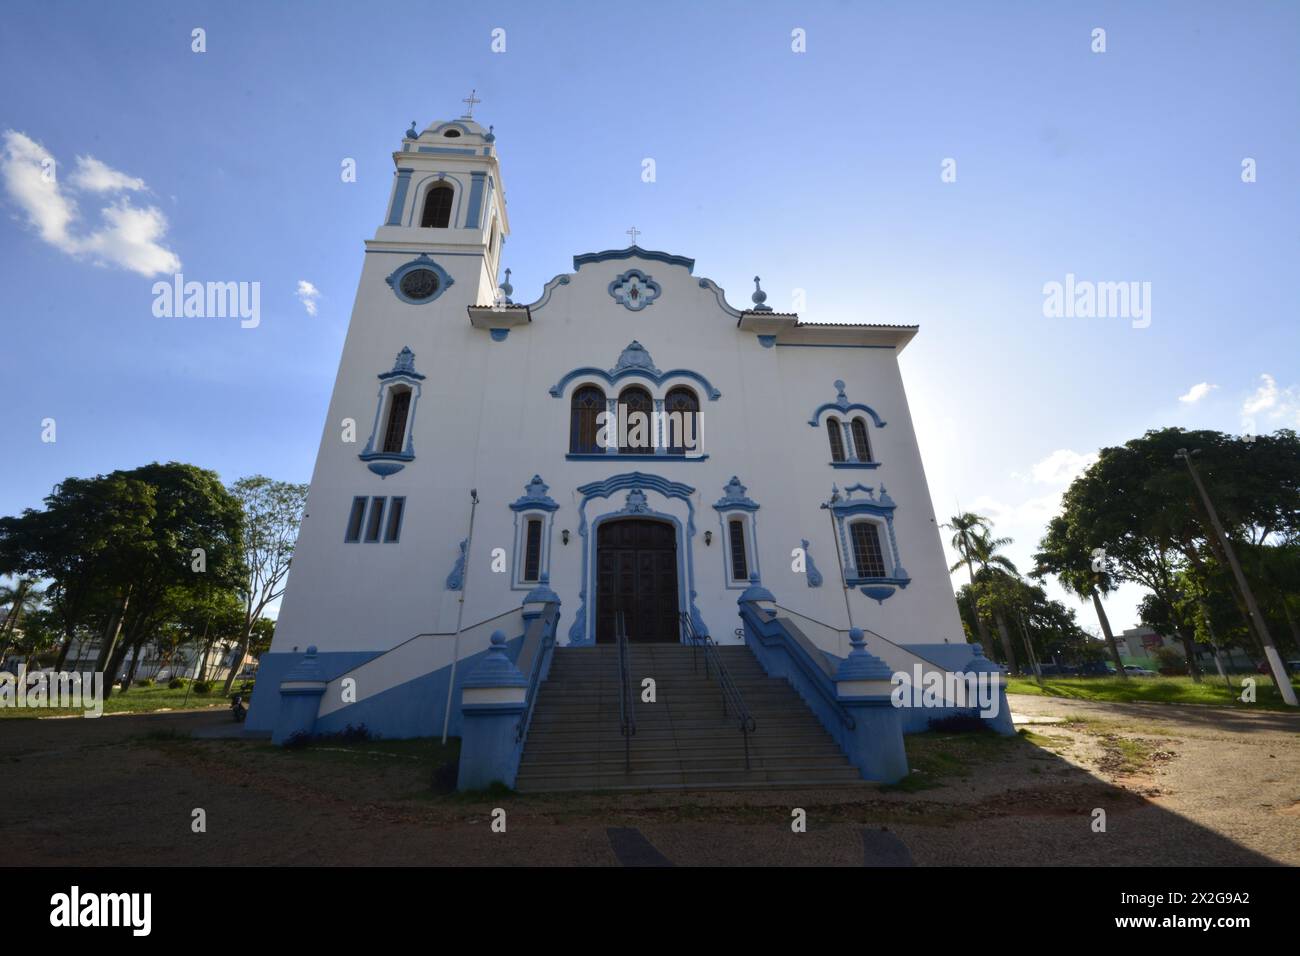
(264, 708)
(412, 709)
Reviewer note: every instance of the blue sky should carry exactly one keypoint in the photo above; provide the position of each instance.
(819, 171)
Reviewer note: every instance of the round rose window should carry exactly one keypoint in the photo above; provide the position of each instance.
(419, 284)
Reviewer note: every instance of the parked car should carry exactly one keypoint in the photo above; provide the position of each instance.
(1292, 667)
(1134, 671)
(1057, 670)
(1097, 669)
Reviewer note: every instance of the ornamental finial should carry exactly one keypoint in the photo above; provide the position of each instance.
(759, 298)
(411, 133)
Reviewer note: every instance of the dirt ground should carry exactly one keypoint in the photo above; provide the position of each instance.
(1179, 785)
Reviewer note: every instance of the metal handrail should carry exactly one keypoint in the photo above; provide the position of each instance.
(535, 675)
(626, 711)
(817, 676)
(733, 702)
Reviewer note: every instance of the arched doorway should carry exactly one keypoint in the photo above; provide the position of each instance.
(636, 572)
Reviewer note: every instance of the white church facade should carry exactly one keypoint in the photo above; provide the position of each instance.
(628, 440)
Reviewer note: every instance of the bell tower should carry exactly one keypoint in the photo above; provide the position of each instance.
(447, 203)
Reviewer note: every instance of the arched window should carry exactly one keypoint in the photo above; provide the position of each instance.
(682, 421)
(638, 410)
(437, 207)
(588, 402)
(860, 445)
(836, 435)
(399, 404)
(868, 558)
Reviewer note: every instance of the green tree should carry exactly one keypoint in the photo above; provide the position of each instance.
(272, 512)
(1081, 570)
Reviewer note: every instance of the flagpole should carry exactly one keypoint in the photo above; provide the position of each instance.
(460, 613)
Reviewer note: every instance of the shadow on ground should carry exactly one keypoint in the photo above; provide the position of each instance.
(124, 791)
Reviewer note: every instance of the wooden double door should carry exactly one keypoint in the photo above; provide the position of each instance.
(636, 572)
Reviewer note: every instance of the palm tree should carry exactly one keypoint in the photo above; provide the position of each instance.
(997, 577)
(21, 598)
(970, 540)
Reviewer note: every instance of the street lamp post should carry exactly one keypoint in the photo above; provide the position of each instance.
(829, 508)
(1256, 618)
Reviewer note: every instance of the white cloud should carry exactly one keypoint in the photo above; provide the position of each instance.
(1265, 397)
(1278, 406)
(1015, 520)
(98, 177)
(307, 295)
(129, 237)
(1061, 467)
(1197, 392)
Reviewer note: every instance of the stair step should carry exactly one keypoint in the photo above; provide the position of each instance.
(684, 740)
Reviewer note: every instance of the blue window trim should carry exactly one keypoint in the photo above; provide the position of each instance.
(843, 406)
(634, 362)
(403, 372)
(422, 261)
(421, 190)
(736, 504)
(844, 411)
(533, 503)
(635, 483)
(881, 511)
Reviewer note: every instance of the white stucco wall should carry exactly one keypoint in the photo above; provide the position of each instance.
(485, 419)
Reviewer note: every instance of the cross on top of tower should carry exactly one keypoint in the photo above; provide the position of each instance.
(470, 100)
(634, 232)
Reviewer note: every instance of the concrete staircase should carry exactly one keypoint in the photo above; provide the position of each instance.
(683, 741)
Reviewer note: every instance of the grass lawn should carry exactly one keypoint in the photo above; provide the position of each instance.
(1161, 690)
(138, 700)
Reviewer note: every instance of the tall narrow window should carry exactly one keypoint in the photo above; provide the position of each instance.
(867, 556)
(682, 421)
(395, 430)
(355, 517)
(394, 528)
(860, 445)
(437, 208)
(638, 407)
(376, 519)
(739, 558)
(836, 435)
(588, 403)
(533, 550)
